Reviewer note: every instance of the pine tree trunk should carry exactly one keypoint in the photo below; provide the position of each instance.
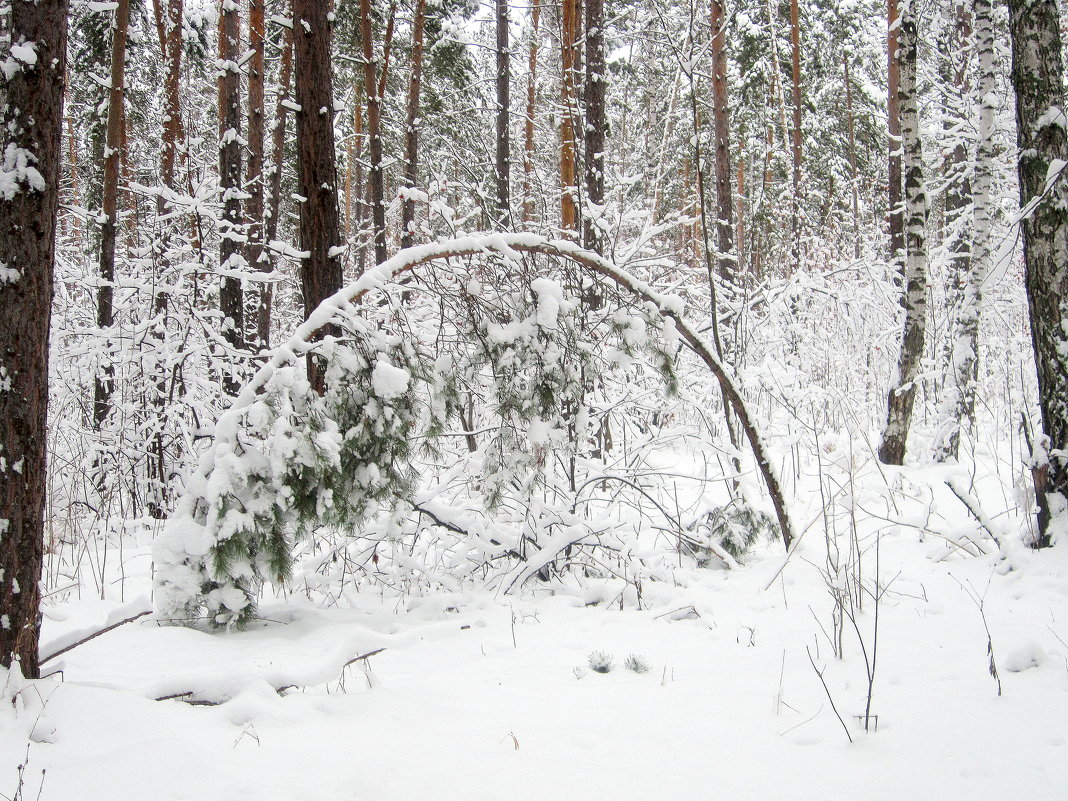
(105, 293)
(795, 208)
(257, 257)
(319, 224)
(411, 130)
(964, 291)
(596, 126)
(902, 393)
(503, 161)
(1042, 134)
(726, 266)
(528, 144)
(231, 229)
(274, 187)
(569, 24)
(32, 111)
(376, 178)
(853, 177)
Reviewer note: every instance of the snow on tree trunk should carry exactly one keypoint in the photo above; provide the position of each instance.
(966, 273)
(503, 161)
(1042, 134)
(595, 129)
(32, 112)
(411, 128)
(231, 228)
(902, 394)
(319, 225)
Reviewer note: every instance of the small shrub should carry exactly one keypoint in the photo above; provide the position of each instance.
(600, 662)
(637, 663)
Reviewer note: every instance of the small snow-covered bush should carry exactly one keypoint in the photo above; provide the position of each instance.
(600, 662)
(637, 663)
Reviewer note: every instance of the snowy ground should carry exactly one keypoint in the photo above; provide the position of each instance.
(478, 697)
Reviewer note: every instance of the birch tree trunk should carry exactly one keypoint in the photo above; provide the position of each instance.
(902, 393)
(31, 108)
(896, 216)
(969, 235)
(1042, 134)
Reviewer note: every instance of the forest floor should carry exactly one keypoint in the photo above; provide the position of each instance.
(481, 697)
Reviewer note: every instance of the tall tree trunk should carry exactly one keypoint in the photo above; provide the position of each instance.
(596, 125)
(569, 24)
(274, 187)
(896, 214)
(411, 130)
(31, 94)
(257, 256)
(105, 293)
(726, 265)
(376, 178)
(795, 207)
(853, 177)
(528, 144)
(231, 230)
(963, 323)
(1037, 77)
(902, 393)
(503, 162)
(319, 231)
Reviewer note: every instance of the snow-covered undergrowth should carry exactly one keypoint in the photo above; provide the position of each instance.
(394, 664)
(480, 696)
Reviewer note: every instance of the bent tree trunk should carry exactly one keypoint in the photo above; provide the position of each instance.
(1041, 123)
(32, 114)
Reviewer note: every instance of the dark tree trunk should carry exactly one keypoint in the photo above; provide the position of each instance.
(569, 24)
(411, 131)
(503, 161)
(596, 126)
(319, 225)
(257, 257)
(105, 293)
(528, 130)
(1037, 72)
(376, 178)
(231, 261)
(32, 109)
(795, 208)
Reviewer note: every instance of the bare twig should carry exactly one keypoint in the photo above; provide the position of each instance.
(94, 635)
(827, 690)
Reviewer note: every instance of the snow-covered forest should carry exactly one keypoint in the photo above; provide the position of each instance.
(409, 399)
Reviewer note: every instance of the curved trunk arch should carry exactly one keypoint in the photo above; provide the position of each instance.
(505, 245)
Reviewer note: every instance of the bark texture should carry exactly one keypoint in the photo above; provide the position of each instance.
(257, 257)
(596, 127)
(1042, 134)
(231, 230)
(569, 22)
(32, 112)
(503, 161)
(726, 265)
(319, 226)
(411, 131)
(893, 122)
(902, 394)
(105, 293)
